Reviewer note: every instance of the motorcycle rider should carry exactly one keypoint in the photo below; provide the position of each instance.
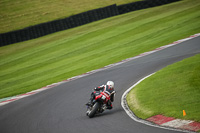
(109, 89)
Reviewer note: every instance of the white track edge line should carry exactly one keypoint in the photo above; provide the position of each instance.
(135, 118)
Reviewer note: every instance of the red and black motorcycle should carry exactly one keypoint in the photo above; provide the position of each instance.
(99, 104)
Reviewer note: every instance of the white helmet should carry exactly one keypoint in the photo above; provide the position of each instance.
(110, 83)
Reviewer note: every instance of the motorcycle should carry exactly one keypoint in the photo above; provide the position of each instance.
(99, 104)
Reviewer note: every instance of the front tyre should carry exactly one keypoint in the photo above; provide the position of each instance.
(94, 109)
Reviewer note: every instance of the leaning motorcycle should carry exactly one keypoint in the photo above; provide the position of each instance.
(99, 104)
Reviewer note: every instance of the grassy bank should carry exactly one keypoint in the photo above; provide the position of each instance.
(36, 63)
(169, 92)
(17, 14)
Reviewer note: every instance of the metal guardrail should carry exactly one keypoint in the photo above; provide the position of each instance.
(43, 29)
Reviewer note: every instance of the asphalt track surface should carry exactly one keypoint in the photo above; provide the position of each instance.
(62, 109)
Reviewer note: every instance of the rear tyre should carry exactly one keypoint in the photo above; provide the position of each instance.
(94, 109)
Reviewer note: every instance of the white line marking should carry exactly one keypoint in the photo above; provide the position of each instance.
(135, 118)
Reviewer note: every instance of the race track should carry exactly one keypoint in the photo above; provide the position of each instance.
(62, 108)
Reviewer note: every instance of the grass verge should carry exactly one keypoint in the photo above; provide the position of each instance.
(169, 92)
(36, 63)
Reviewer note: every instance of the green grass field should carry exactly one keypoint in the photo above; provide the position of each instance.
(36, 63)
(18, 14)
(169, 92)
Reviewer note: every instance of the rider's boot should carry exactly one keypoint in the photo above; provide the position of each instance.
(109, 105)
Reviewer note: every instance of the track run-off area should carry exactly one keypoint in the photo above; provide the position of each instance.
(62, 108)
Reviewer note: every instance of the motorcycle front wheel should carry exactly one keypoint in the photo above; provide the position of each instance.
(94, 109)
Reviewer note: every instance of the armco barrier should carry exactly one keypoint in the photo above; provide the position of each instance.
(43, 29)
(57, 25)
(142, 5)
